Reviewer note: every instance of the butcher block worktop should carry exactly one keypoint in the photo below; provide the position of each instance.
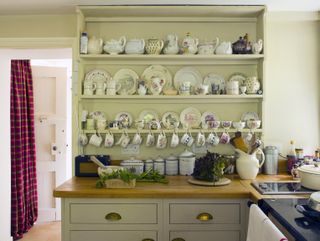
(178, 187)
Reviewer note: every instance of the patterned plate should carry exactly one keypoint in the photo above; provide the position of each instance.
(127, 80)
(157, 71)
(187, 74)
(98, 75)
(125, 119)
(207, 117)
(238, 77)
(218, 80)
(170, 120)
(190, 118)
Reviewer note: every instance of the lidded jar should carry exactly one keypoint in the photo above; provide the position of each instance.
(148, 164)
(186, 162)
(172, 165)
(158, 165)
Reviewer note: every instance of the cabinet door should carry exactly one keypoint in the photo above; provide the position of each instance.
(113, 236)
(225, 235)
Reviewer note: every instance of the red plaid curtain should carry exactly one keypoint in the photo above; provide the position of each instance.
(24, 199)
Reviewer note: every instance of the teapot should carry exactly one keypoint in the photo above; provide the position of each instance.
(135, 46)
(171, 45)
(114, 46)
(95, 45)
(224, 48)
(257, 47)
(190, 45)
(248, 164)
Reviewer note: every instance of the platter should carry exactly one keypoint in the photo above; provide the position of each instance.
(126, 81)
(157, 71)
(98, 75)
(125, 119)
(148, 115)
(238, 77)
(216, 79)
(190, 118)
(249, 116)
(187, 74)
(170, 120)
(223, 181)
(208, 116)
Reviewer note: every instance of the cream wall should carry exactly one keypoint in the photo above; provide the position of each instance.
(292, 96)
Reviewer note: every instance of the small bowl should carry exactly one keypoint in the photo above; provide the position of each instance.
(239, 125)
(226, 124)
(108, 169)
(253, 124)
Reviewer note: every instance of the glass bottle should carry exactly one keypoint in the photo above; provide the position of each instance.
(84, 43)
(291, 157)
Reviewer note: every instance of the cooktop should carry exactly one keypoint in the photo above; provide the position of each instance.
(281, 188)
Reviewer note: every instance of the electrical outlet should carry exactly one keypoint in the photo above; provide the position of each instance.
(131, 149)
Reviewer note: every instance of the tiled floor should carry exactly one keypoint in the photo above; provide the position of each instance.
(44, 232)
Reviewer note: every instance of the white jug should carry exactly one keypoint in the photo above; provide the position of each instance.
(95, 45)
(248, 165)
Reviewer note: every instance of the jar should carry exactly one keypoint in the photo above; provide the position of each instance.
(186, 162)
(172, 165)
(299, 153)
(148, 165)
(271, 162)
(159, 165)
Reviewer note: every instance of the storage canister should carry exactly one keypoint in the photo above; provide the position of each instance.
(133, 166)
(271, 163)
(158, 165)
(186, 162)
(148, 164)
(172, 165)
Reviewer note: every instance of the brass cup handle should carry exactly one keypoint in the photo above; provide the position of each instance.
(147, 239)
(204, 217)
(178, 239)
(113, 216)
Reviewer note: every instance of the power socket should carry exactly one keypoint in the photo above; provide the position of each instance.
(131, 149)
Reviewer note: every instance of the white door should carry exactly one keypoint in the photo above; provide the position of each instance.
(50, 86)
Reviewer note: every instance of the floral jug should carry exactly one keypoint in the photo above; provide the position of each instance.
(248, 164)
(95, 45)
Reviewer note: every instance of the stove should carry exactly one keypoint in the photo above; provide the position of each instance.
(279, 188)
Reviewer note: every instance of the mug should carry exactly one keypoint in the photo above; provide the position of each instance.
(90, 124)
(185, 138)
(83, 139)
(213, 139)
(185, 88)
(161, 141)
(101, 124)
(191, 140)
(215, 89)
(202, 89)
(96, 140)
(137, 139)
(89, 88)
(125, 141)
(101, 88)
(150, 139)
(174, 140)
(109, 139)
(201, 139)
(120, 139)
(224, 138)
(232, 87)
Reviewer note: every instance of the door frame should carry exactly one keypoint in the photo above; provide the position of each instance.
(16, 48)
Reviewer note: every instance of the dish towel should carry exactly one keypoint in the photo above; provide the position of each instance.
(260, 227)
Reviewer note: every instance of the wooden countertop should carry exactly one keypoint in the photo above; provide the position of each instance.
(178, 187)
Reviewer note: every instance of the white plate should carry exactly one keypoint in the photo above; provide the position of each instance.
(148, 115)
(249, 116)
(238, 77)
(157, 71)
(213, 78)
(127, 81)
(98, 75)
(125, 119)
(170, 120)
(187, 74)
(208, 116)
(190, 118)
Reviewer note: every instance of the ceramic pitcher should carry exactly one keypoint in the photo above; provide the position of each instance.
(95, 45)
(248, 164)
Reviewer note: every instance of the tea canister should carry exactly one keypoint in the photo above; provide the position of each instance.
(172, 165)
(271, 162)
(186, 162)
(159, 165)
(133, 166)
(148, 165)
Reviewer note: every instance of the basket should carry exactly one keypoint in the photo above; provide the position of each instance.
(118, 183)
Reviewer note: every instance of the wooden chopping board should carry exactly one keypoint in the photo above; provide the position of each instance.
(221, 182)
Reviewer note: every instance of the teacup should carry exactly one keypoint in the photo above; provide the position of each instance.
(125, 141)
(190, 142)
(225, 138)
(83, 139)
(210, 138)
(90, 124)
(109, 140)
(202, 89)
(174, 140)
(185, 88)
(101, 124)
(96, 140)
(121, 138)
(137, 139)
(226, 124)
(185, 138)
(89, 87)
(161, 141)
(150, 139)
(201, 139)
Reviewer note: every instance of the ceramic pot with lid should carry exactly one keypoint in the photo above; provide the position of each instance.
(310, 176)
(172, 165)
(186, 162)
(133, 165)
(158, 165)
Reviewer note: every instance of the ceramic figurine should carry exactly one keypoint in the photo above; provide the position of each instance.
(171, 44)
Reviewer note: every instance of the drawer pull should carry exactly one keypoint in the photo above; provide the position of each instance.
(204, 217)
(147, 239)
(178, 239)
(113, 216)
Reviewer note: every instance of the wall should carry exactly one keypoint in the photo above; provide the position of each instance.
(292, 96)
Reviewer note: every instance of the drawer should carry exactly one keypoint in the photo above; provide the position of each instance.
(114, 213)
(113, 235)
(196, 213)
(225, 235)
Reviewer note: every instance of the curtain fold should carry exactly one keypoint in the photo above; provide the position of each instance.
(24, 198)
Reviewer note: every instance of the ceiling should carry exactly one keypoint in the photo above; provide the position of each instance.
(10, 7)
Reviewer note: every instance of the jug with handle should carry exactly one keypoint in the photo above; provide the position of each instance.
(248, 164)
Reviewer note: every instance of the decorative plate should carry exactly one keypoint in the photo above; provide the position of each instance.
(249, 116)
(187, 74)
(126, 80)
(213, 78)
(157, 71)
(170, 120)
(208, 116)
(238, 77)
(190, 117)
(98, 75)
(148, 115)
(97, 115)
(125, 119)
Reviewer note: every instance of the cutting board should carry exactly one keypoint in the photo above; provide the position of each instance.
(223, 181)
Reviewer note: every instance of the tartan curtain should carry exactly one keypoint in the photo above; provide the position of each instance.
(24, 199)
